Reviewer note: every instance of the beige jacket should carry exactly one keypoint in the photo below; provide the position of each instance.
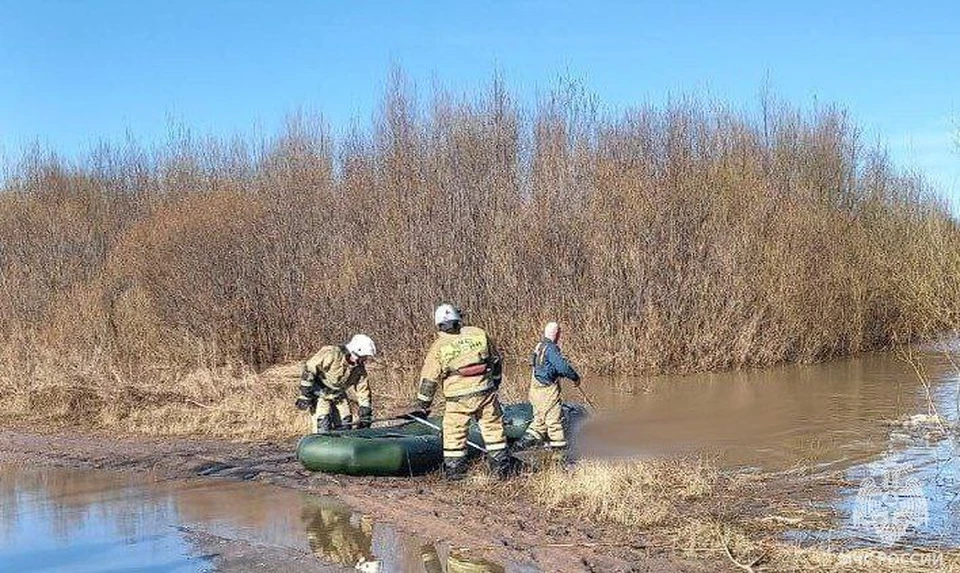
(332, 367)
(452, 361)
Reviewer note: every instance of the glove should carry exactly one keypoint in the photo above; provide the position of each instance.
(421, 414)
(422, 410)
(304, 403)
(365, 417)
(306, 383)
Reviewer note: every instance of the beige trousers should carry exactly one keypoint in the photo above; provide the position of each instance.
(327, 404)
(486, 410)
(547, 414)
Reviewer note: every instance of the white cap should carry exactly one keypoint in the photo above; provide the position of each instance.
(551, 331)
(362, 345)
(446, 313)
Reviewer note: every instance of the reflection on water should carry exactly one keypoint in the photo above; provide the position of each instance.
(72, 520)
(455, 563)
(919, 458)
(337, 534)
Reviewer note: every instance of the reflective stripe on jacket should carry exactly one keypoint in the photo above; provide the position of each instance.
(451, 356)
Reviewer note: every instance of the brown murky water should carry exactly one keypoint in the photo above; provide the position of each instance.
(812, 416)
(83, 520)
(803, 421)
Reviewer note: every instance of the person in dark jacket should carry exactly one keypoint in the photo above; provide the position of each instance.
(549, 366)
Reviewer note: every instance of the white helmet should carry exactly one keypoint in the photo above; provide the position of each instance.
(362, 345)
(446, 313)
(551, 331)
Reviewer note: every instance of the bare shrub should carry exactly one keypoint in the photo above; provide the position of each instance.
(688, 237)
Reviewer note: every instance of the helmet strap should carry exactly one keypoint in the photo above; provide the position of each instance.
(450, 327)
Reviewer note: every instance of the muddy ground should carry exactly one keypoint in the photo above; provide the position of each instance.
(502, 528)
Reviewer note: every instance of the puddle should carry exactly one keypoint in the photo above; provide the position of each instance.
(84, 520)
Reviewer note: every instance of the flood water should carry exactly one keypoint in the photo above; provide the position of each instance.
(806, 421)
(822, 415)
(60, 520)
(798, 422)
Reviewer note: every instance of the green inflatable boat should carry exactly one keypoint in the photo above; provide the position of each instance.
(407, 449)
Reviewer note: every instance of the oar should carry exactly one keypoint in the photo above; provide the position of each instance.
(430, 424)
(378, 420)
(586, 398)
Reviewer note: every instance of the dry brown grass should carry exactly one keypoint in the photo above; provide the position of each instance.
(676, 239)
(211, 402)
(223, 402)
(689, 507)
(629, 494)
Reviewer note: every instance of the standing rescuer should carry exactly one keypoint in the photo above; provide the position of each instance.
(465, 361)
(325, 379)
(549, 366)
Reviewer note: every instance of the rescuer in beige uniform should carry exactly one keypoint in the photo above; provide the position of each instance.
(465, 362)
(325, 379)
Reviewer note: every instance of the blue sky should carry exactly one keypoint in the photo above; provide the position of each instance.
(74, 72)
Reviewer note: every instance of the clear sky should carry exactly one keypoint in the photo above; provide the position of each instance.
(74, 72)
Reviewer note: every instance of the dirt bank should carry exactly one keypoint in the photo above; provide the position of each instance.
(499, 526)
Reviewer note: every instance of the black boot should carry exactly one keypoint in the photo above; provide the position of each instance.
(345, 424)
(502, 464)
(324, 424)
(454, 469)
(527, 441)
